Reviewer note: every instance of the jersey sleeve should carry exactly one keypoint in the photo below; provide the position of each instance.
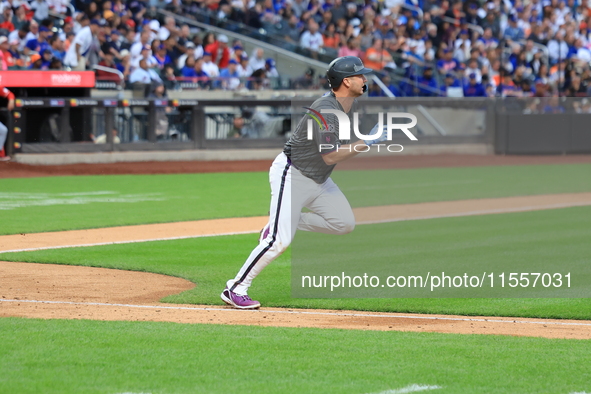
(326, 135)
(5, 93)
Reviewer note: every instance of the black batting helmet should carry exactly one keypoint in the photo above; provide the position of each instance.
(343, 67)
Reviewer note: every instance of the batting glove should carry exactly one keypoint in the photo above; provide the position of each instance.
(376, 129)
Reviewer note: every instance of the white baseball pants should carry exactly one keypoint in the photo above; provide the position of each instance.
(290, 193)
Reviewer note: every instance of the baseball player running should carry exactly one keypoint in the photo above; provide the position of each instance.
(305, 169)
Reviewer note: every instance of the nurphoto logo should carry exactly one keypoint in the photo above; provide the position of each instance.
(381, 132)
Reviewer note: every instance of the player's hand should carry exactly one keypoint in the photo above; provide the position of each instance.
(383, 137)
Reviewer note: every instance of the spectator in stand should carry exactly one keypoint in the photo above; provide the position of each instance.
(15, 55)
(19, 19)
(244, 68)
(311, 39)
(6, 19)
(41, 8)
(257, 60)
(124, 65)
(447, 63)
(202, 76)
(169, 28)
(8, 60)
(331, 37)
(452, 86)
(306, 81)
(428, 85)
(108, 61)
(506, 87)
(162, 57)
(188, 69)
(220, 53)
(473, 88)
(46, 58)
(270, 69)
(35, 62)
(230, 75)
(168, 77)
(146, 54)
(557, 48)
(291, 31)
(377, 57)
(76, 54)
(138, 46)
(351, 49)
(40, 43)
(143, 74)
(189, 53)
(209, 67)
(514, 32)
(237, 53)
(57, 47)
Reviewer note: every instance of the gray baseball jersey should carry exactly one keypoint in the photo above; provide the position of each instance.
(305, 154)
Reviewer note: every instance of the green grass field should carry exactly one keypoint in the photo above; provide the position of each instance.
(60, 356)
(56, 356)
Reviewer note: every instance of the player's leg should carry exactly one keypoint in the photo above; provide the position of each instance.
(331, 212)
(280, 232)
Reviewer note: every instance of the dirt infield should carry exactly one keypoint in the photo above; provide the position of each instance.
(16, 170)
(50, 291)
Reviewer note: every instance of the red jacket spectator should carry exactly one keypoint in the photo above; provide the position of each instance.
(220, 53)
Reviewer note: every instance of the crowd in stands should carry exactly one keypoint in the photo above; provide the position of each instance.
(486, 48)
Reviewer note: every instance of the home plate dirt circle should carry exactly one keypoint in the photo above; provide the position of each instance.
(50, 291)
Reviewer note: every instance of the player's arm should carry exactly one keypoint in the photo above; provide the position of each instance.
(7, 94)
(343, 153)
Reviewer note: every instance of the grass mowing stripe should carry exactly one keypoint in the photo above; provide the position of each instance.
(57, 356)
(77, 202)
(555, 235)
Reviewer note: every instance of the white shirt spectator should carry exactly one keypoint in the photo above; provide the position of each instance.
(584, 55)
(150, 60)
(244, 72)
(312, 41)
(256, 63)
(556, 50)
(84, 39)
(140, 75)
(474, 71)
(59, 6)
(41, 9)
(199, 52)
(143, 76)
(14, 36)
(211, 69)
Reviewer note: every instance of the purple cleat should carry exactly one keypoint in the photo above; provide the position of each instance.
(239, 301)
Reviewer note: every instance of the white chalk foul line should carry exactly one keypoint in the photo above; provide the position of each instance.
(127, 242)
(296, 312)
(413, 388)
